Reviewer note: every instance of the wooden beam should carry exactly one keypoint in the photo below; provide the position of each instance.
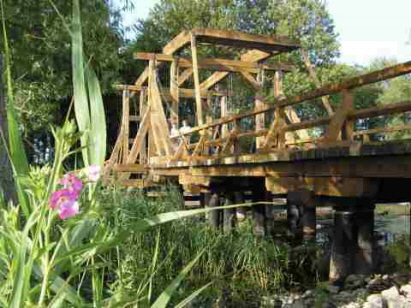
(245, 40)
(381, 130)
(174, 91)
(199, 107)
(216, 64)
(391, 72)
(183, 92)
(250, 56)
(317, 83)
(125, 123)
(251, 80)
(138, 141)
(325, 186)
(185, 75)
(339, 118)
(177, 43)
(133, 168)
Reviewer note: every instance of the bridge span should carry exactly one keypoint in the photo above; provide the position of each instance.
(312, 149)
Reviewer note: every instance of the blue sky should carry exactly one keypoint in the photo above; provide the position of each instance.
(367, 28)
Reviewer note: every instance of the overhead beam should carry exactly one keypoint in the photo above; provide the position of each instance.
(216, 64)
(177, 43)
(182, 92)
(245, 40)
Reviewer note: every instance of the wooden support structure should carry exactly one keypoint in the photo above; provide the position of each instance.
(199, 106)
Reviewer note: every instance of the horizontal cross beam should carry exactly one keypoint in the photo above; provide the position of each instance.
(183, 92)
(216, 64)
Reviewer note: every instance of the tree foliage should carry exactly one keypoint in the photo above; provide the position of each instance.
(41, 56)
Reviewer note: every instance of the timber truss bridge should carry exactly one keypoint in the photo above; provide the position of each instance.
(274, 148)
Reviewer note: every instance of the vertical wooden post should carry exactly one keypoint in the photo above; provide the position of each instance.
(364, 261)
(215, 215)
(348, 129)
(224, 113)
(277, 84)
(174, 73)
(259, 118)
(142, 110)
(229, 214)
(344, 245)
(241, 211)
(259, 215)
(126, 124)
(194, 57)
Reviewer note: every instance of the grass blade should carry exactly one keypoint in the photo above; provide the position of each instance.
(192, 296)
(165, 296)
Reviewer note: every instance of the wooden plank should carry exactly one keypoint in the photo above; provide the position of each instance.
(351, 83)
(133, 168)
(125, 124)
(142, 111)
(185, 75)
(134, 119)
(183, 92)
(245, 40)
(142, 78)
(199, 107)
(250, 56)
(317, 83)
(174, 91)
(177, 43)
(391, 72)
(381, 110)
(216, 64)
(251, 80)
(138, 141)
(325, 186)
(276, 135)
(381, 130)
(339, 118)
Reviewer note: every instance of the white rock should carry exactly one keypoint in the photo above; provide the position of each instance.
(376, 301)
(406, 290)
(391, 293)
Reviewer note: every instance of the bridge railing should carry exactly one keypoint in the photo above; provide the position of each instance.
(223, 137)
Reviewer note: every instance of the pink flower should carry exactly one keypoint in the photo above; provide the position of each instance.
(71, 182)
(65, 202)
(93, 172)
(68, 210)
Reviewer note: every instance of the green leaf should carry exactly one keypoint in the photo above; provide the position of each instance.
(98, 132)
(165, 296)
(81, 106)
(16, 149)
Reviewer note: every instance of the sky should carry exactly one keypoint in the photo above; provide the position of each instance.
(367, 28)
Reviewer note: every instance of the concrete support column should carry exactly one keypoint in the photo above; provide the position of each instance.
(215, 216)
(293, 217)
(364, 263)
(344, 245)
(229, 214)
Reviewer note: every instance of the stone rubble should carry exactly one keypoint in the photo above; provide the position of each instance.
(389, 291)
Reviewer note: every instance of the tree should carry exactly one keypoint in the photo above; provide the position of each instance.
(41, 57)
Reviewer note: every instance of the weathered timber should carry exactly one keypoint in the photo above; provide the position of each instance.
(245, 40)
(394, 71)
(229, 214)
(216, 64)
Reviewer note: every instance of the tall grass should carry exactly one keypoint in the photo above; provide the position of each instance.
(241, 267)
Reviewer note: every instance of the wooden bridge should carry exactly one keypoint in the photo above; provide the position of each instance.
(274, 148)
